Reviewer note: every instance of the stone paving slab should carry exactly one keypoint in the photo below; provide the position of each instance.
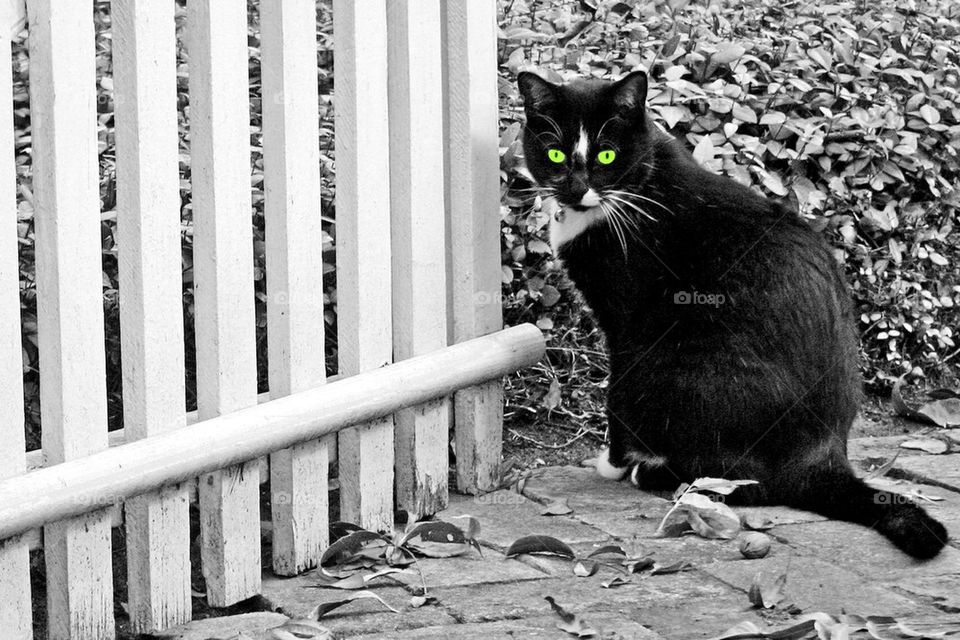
(831, 566)
(542, 628)
(580, 595)
(226, 627)
(864, 551)
(586, 491)
(939, 592)
(297, 596)
(516, 516)
(490, 568)
(943, 469)
(815, 585)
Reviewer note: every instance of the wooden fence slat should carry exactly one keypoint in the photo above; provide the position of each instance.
(15, 614)
(223, 285)
(70, 304)
(291, 159)
(151, 289)
(363, 249)
(418, 243)
(473, 204)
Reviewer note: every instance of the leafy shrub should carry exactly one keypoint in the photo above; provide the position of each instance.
(848, 110)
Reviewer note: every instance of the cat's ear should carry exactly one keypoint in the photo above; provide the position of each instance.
(630, 92)
(538, 94)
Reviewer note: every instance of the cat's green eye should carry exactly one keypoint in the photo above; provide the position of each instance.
(606, 156)
(556, 155)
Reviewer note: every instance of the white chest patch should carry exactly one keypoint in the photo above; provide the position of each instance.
(568, 224)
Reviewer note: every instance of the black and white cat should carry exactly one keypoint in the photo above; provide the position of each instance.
(728, 321)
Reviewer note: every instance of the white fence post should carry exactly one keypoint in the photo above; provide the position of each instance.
(151, 291)
(418, 241)
(15, 614)
(473, 209)
(70, 304)
(363, 248)
(223, 285)
(291, 160)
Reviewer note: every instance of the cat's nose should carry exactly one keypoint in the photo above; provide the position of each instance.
(576, 189)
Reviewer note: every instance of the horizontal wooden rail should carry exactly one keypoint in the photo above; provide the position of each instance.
(93, 482)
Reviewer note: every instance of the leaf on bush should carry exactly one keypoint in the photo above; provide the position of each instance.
(569, 622)
(540, 545)
(728, 52)
(704, 152)
(745, 113)
(367, 544)
(672, 114)
(436, 539)
(928, 113)
(670, 46)
(324, 608)
(930, 445)
(536, 245)
(774, 184)
(767, 595)
(549, 295)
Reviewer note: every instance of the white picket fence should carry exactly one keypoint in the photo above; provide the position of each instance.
(417, 268)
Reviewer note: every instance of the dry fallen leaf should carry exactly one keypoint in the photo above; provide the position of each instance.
(552, 398)
(300, 630)
(930, 445)
(756, 522)
(636, 565)
(324, 608)
(767, 595)
(674, 567)
(557, 507)
(545, 545)
(585, 568)
(697, 512)
(569, 622)
(616, 581)
(436, 539)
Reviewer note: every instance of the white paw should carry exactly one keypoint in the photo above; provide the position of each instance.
(607, 470)
(635, 476)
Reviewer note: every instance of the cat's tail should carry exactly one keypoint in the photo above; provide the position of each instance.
(834, 491)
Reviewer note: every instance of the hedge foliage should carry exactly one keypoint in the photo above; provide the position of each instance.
(849, 110)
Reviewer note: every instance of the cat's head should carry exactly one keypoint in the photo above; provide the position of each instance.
(586, 139)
